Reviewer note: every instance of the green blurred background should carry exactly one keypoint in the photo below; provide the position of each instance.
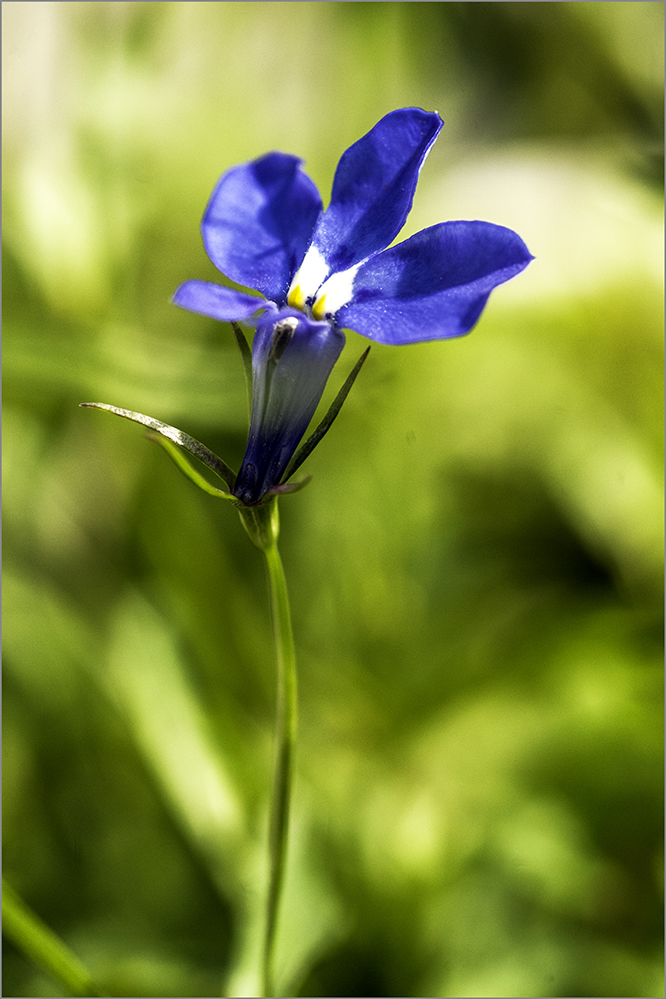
(475, 569)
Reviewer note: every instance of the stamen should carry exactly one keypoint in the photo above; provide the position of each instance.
(283, 332)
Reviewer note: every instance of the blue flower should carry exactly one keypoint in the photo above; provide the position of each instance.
(321, 271)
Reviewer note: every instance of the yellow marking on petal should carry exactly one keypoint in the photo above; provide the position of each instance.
(296, 298)
(319, 308)
(336, 291)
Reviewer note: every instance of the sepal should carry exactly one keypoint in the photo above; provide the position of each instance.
(190, 444)
(187, 468)
(316, 436)
(289, 487)
(246, 358)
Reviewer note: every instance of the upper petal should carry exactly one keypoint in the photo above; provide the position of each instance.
(372, 194)
(433, 285)
(259, 222)
(218, 302)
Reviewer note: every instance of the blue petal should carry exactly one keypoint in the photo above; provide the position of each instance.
(433, 285)
(292, 358)
(217, 302)
(259, 223)
(373, 187)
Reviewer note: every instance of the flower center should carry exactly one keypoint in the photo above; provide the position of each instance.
(311, 285)
(307, 279)
(335, 292)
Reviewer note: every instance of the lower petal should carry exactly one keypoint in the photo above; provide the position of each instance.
(434, 285)
(218, 302)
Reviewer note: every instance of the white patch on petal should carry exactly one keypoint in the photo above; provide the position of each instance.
(335, 292)
(308, 278)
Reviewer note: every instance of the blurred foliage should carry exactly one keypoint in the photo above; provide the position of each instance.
(476, 568)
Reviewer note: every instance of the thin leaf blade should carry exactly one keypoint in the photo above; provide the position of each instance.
(190, 444)
(187, 468)
(310, 444)
(246, 358)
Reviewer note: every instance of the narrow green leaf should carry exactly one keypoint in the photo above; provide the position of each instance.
(310, 444)
(190, 444)
(246, 358)
(187, 468)
(43, 946)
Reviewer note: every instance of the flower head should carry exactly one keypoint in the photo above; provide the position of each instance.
(321, 271)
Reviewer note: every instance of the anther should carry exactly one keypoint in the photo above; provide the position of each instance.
(283, 332)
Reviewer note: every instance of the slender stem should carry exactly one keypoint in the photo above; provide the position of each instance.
(42, 946)
(284, 758)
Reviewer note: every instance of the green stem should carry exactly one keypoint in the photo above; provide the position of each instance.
(284, 758)
(42, 946)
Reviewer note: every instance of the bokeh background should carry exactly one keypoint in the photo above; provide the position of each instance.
(475, 569)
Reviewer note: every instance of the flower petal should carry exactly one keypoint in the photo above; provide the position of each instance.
(259, 223)
(434, 285)
(292, 358)
(218, 302)
(372, 192)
